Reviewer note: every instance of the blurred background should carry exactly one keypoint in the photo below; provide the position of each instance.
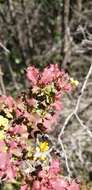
(40, 32)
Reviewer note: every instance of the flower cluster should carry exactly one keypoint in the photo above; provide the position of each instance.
(24, 125)
(51, 179)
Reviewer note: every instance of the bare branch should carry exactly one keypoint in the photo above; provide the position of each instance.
(66, 159)
(72, 114)
(84, 126)
(10, 69)
(3, 90)
(83, 89)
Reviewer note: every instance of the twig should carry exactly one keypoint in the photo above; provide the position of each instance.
(10, 69)
(4, 48)
(66, 159)
(65, 124)
(84, 126)
(74, 113)
(78, 103)
(83, 89)
(84, 109)
(2, 82)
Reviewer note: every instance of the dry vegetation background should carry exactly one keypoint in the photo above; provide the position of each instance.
(40, 32)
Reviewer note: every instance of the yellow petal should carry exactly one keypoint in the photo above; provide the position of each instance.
(9, 115)
(43, 158)
(37, 149)
(74, 82)
(2, 135)
(43, 146)
(3, 121)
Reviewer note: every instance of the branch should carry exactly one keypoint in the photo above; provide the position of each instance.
(4, 48)
(3, 90)
(66, 159)
(66, 39)
(10, 69)
(74, 113)
(83, 89)
(78, 102)
(84, 126)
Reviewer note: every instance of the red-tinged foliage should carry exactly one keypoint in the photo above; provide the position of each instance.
(24, 155)
(33, 75)
(52, 180)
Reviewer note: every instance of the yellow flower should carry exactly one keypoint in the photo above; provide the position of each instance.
(2, 135)
(74, 82)
(30, 152)
(37, 149)
(30, 149)
(43, 146)
(3, 122)
(8, 114)
(41, 151)
(4, 148)
(43, 158)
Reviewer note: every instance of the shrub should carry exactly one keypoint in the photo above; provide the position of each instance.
(25, 124)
